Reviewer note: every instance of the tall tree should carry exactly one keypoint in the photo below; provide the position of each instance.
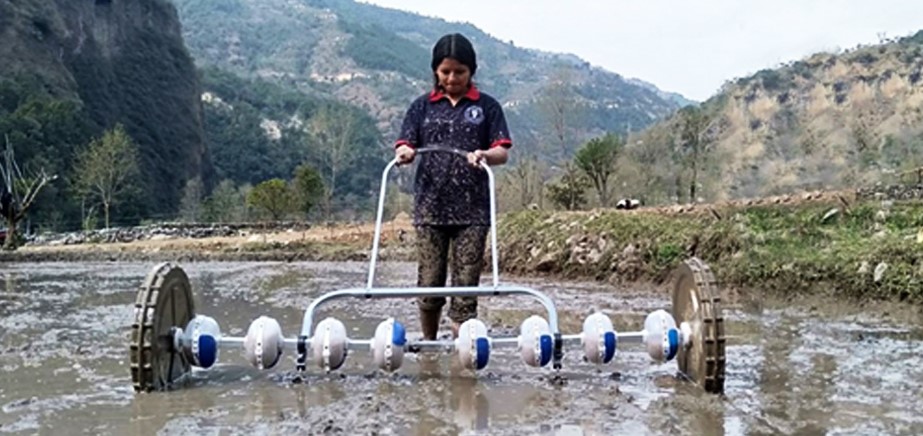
(225, 204)
(558, 106)
(190, 208)
(334, 131)
(694, 126)
(19, 193)
(647, 165)
(108, 168)
(597, 159)
(308, 188)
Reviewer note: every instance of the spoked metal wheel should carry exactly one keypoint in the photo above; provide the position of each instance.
(164, 301)
(697, 302)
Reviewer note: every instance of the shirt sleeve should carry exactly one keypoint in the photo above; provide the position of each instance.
(499, 133)
(410, 128)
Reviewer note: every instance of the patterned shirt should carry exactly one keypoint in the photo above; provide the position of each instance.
(449, 191)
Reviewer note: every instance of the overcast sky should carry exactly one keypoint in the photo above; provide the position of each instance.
(691, 47)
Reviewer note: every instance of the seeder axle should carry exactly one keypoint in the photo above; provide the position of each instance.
(329, 345)
(291, 344)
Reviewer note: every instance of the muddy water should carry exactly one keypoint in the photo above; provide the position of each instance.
(64, 332)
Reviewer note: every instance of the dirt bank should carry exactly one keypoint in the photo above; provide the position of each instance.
(847, 244)
(276, 243)
(847, 247)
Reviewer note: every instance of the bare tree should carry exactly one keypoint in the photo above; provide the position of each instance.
(645, 166)
(694, 127)
(21, 191)
(190, 208)
(107, 168)
(334, 130)
(866, 139)
(525, 181)
(558, 107)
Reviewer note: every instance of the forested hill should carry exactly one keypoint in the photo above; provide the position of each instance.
(378, 59)
(72, 69)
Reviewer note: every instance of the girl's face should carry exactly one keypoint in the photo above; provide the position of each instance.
(454, 77)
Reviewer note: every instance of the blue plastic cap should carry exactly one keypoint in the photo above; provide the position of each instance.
(483, 350)
(208, 350)
(398, 334)
(673, 339)
(611, 342)
(547, 346)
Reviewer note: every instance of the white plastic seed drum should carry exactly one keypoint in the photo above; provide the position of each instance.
(599, 339)
(661, 336)
(473, 345)
(264, 342)
(388, 345)
(204, 350)
(535, 341)
(330, 344)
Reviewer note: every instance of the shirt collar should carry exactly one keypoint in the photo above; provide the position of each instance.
(473, 94)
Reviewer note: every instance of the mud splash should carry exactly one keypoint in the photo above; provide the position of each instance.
(798, 368)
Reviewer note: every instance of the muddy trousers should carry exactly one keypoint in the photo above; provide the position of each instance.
(434, 245)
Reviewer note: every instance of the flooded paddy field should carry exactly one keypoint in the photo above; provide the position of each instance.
(792, 368)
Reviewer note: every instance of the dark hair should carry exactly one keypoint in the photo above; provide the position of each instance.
(457, 47)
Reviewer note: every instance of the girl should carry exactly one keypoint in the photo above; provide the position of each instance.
(452, 200)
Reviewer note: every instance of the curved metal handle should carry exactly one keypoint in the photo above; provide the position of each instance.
(381, 208)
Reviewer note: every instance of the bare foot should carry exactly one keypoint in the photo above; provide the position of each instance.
(429, 323)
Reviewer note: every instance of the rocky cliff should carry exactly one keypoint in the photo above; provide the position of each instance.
(113, 61)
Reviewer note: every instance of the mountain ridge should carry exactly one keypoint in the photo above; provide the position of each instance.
(378, 58)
